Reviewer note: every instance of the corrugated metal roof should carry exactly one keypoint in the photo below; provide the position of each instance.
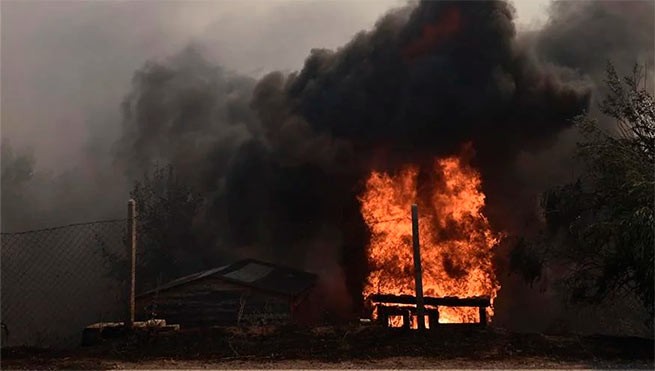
(253, 274)
(250, 272)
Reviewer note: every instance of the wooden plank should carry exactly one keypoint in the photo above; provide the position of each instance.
(482, 301)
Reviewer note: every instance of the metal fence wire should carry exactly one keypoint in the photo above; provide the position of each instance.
(56, 281)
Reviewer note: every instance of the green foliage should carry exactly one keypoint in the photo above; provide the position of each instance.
(603, 224)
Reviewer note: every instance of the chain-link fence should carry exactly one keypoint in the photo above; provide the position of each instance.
(56, 281)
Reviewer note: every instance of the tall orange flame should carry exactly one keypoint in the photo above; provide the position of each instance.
(456, 239)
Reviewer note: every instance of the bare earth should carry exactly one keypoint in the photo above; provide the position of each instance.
(384, 363)
(351, 347)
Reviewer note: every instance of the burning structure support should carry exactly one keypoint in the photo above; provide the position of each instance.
(418, 273)
(390, 304)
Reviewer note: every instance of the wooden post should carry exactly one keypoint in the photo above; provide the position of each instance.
(483, 316)
(433, 318)
(418, 273)
(383, 316)
(407, 319)
(131, 256)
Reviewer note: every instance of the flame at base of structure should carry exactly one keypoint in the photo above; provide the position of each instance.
(456, 240)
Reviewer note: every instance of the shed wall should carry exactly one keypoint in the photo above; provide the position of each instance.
(213, 302)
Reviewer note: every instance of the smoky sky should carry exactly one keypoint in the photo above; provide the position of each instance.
(580, 34)
(67, 66)
(74, 60)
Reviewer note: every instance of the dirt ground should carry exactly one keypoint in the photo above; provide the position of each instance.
(351, 347)
(383, 363)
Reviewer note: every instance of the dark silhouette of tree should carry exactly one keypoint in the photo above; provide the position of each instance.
(602, 225)
(166, 211)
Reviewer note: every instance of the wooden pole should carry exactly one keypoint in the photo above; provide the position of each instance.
(483, 316)
(406, 319)
(418, 273)
(131, 256)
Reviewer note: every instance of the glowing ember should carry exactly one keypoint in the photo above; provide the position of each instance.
(456, 239)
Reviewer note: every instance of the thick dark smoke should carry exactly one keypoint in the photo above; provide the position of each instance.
(426, 82)
(427, 79)
(583, 35)
(182, 112)
(274, 193)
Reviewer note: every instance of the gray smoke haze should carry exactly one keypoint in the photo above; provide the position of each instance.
(581, 34)
(76, 58)
(584, 36)
(282, 158)
(67, 65)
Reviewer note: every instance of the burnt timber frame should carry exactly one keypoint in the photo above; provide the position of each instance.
(384, 311)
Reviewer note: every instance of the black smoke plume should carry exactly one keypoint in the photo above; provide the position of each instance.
(283, 159)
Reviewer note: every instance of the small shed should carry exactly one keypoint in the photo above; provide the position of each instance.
(246, 292)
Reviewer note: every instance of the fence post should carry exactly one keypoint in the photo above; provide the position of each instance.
(131, 254)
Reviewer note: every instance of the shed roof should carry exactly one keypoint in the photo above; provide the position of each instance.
(251, 273)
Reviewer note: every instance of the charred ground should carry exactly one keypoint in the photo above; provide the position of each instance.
(362, 346)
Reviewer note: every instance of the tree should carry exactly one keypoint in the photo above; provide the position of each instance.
(602, 225)
(166, 211)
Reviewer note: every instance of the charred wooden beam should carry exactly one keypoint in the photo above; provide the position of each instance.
(433, 318)
(418, 272)
(406, 320)
(483, 316)
(384, 312)
(482, 301)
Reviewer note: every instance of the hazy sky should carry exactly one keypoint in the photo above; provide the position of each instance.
(66, 65)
